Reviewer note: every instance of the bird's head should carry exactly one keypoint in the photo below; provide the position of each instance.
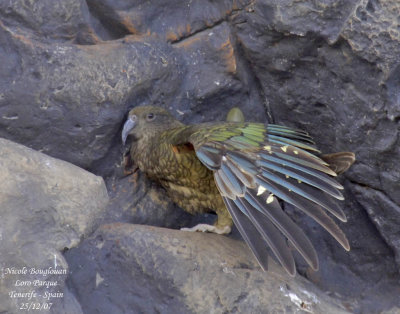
(147, 121)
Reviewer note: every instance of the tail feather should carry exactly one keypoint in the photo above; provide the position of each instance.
(339, 162)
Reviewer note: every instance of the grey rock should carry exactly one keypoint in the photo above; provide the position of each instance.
(46, 205)
(344, 99)
(215, 79)
(388, 218)
(372, 32)
(49, 20)
(170, 20)
(168, 271)
(327, 18)
(69, 100)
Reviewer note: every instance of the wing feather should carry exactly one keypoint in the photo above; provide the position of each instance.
(288, 228)
(270, 234)
(252, 165)
(249, 233)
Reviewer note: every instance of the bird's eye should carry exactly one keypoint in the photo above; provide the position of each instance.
(150, 116)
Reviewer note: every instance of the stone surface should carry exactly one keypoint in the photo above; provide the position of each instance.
(47, 205)
(69, 100)
(316, 82)
(167, 271)
(372, 32)
(71, 69)
(170, 20)
(214, 78)
(48, 20)
(388, 218)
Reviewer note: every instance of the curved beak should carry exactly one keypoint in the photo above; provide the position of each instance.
(128, 126)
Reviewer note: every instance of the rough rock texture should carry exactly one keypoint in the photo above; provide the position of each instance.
(71, 69)
(47, 205)
(168, 271)
(66, 100)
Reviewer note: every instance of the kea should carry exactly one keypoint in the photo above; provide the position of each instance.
(242, 171)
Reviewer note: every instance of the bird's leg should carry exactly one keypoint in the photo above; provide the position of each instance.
(223, 225)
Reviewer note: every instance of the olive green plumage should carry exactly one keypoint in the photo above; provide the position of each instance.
(239, 169)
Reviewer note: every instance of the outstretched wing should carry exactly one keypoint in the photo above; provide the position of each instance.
(253, 166)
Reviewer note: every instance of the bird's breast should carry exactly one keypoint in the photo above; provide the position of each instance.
(188, 182)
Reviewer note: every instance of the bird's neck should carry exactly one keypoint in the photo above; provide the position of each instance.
(150, 146)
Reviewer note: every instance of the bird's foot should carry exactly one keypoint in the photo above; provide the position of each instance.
(209, 228)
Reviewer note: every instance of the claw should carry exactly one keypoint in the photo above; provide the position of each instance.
(208, 228)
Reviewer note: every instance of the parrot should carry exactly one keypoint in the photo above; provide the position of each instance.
(242, 171)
